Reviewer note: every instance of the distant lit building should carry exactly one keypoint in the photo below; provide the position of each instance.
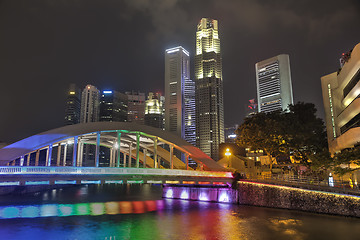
(230, 135)
(273, 82)
(251, 108)
(73, 105)
(136, 107)
(209, 88)
(179, 94)
(154, 110)
(341, 91)
(113, 106)
(90, 99)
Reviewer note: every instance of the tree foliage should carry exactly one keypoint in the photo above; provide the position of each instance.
(347, 160)
(297, 132)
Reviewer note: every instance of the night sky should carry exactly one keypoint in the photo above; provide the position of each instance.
(119, 45)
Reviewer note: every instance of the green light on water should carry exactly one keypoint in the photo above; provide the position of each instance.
(82, 209)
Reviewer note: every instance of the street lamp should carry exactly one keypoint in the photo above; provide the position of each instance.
(228, 154)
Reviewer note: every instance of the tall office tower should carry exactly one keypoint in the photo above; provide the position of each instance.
(341, 100)
(113, 106)
(179, 94)
(209, 88)
(154, 110)
(73, 104)
(273, 82)
(136, 107)
(90, 99)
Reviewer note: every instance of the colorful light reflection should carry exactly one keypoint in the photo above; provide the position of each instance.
(94, 209)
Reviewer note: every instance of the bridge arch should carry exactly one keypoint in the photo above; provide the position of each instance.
(111, 144)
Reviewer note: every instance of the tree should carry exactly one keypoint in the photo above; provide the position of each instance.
(297, 132)
(263, 131)
(344, 159)
(306, 132)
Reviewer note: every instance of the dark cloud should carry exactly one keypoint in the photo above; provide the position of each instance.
(46, 45)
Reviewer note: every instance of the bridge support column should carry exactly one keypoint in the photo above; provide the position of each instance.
(79, 153)
(111, 157)
(28, 160)
(137, 150)
(187, 161)
(49, 153)
(37, 157)
(124, 159)
(75, 148)
(171, 156)
(97, 151)
(144, 152)
(65, 152)
(22, 161)
(58, 155)
(118, 150)
(130, 154)
(155, 153)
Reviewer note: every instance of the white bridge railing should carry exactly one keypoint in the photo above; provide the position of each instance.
(15, 170)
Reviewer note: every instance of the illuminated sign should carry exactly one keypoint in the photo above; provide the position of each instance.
(107, 92)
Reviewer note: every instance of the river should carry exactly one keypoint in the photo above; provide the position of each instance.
(138, 212)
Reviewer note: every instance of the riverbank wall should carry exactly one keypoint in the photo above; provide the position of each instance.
(273, 196)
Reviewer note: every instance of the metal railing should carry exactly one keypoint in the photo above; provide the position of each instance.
(311, 183)
(14, 170)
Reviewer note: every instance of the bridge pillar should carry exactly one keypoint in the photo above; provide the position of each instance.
(118, 150)
(22, 161)
(137, 149)
(144, 152)
(80, 153)
(187, 161)
(97, 151)
(37, 157)
(65, 151)
(130, 154)
(171, 156)
(28, 160)
(124, 159)
(48, 155)
(58, 155)
(155, 153)
(75, 148)
(111, 156)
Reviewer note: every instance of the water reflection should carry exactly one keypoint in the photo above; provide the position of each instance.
(94, 209)
(121, 216)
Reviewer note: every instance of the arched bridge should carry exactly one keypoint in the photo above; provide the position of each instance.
(106, 152)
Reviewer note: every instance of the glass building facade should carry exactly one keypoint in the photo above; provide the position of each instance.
(179, 94)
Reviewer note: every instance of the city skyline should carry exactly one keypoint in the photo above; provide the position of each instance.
(41, 58)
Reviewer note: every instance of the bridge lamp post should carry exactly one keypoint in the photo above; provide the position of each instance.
(228, 154)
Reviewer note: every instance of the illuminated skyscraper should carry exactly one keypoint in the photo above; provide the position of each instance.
(154, 110)
(73, 105)
(90, 100)
(179, 94)
(209, 88)
(273, 82)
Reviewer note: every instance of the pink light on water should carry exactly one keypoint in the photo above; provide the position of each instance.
(185, 194)
(169, 193)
